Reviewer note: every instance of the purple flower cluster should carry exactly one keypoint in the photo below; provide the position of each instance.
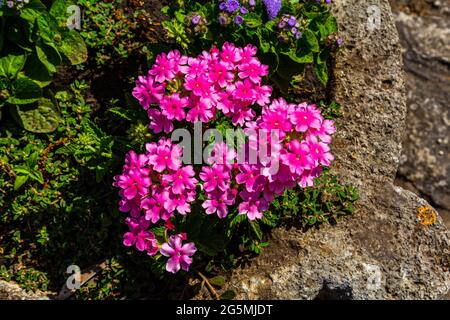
(232, 10)
(289, 26)
(272, 8)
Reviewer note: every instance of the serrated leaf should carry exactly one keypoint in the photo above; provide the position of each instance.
(32, 10)
(42, 117)
(25, 91)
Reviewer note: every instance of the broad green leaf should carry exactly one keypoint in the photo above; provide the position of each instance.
(218, 281)
(73, 47)
(321, 71)
(11, 65)
(228, 295)
(48, 27)
(252, 20)
(48, 56)
(32, 10)
(41, 117)
(311, 39)
(331, 24)
(20, 181)
(36, 71)
(59, 11)
(25, 91)
(302, 57)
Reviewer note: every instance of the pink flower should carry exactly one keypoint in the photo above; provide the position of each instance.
(325, 131)
(130, 205)
(253, 70)
(173, 107)
(253, 206)
(144, 240)
(246, 54)
(163, 69)
(320, 152)
(159, 122)
(214, 177)
(306, 117)
(179, 61)
(166, 158)
(244, 91)
(263, 95)
(250, 176)
(196, 67)
(219, 73)
(134, 161)
(147, 91)
(242, 115)
(299, 158)
(201, 110)
(218, 201)
(181, 179)
(180, 255)
(180, 202)
(229, 53)
(200, 86)
(154, 206)
(133, 183)
(222, 154)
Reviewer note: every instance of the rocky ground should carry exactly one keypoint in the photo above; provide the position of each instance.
(424, 30)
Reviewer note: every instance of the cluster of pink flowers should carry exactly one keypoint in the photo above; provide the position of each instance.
(194, 89)
(156, 185)
(299, 149)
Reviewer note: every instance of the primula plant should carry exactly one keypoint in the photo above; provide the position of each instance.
(282, 146)
(290, 34)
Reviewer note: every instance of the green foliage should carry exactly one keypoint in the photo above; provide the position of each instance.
(116, 29)
(285, 55)
(34, 41)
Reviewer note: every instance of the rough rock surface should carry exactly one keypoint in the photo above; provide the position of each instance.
(12, 291)
(424, 29)
(382, 251)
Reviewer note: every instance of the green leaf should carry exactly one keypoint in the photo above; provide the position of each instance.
(73, 47)
(252, 20)
(59, 11)
(36, 71)
(49, 57)
(25, 91)
(218, 281)
(311, 39)
(20, 180)
(321, 71)
(42, 117)
(11, 65)
(32, 10)
(331, 24)
(228, 295)
(302, 57)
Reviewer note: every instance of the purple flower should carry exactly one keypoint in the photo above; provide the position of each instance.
(251, 3)
(340, 42)
(298, 35)
(238, 20)
(294, 30)
(282, 24)
(243, 10)
(292, 21)
(231, 5)
(272, 8)
(222, 20)
(195, 19)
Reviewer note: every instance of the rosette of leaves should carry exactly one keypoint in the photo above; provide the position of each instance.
(285, 54)
(34, 41)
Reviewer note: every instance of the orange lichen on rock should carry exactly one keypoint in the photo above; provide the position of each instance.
(427, 215)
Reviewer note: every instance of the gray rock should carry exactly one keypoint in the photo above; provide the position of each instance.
(12, 291)
(382, 251)
(425, 162)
